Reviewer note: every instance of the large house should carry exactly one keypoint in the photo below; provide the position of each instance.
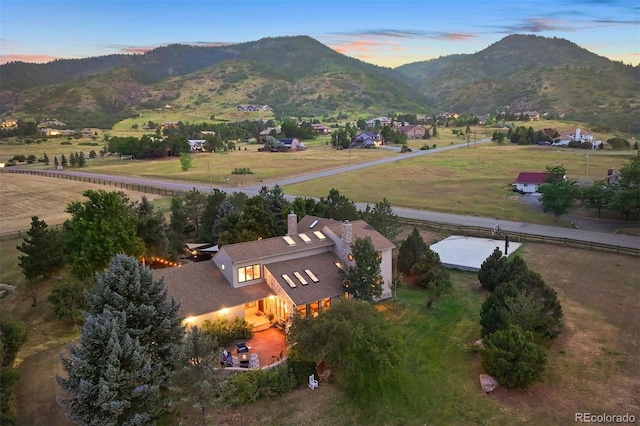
(529, 182)
(275, 277)
(367, 139)
(413, 131)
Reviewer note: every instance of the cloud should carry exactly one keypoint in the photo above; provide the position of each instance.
(144, 49)
(406, 34)
(38, 59)
(537, 25)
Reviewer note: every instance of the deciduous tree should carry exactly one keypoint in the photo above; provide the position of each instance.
(558, 197)
(99, 228)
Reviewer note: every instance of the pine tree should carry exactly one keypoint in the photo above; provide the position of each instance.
(382, 218)
(73, 159)
(43, 254)
(432, 276)
(491, 272)
(119, 373)
(151, 228)
(63, 161)
(363, 281)
(46, 159)
(411, 251)
(55, 161)
(81, 160)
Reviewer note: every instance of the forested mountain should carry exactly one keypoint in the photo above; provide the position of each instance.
(299, 76)
(525, 73)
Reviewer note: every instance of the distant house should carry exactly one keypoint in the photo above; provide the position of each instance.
(578, 136)
(292, 144)
(367, 140)
(49, 132)
(196, 144)
(281, 276)
(266, 132)
(321, 129)
(9, 122)
(384, 121)
(529, 182)
(252, 108)
(413, 131)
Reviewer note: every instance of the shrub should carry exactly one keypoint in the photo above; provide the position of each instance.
(424, 147)
(512, 357)
(65, 143)
(67, 298)
(252, 385)
(241, 171)
(228, 332)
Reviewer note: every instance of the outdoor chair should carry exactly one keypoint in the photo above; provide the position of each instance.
(242, 347)
(313, 383)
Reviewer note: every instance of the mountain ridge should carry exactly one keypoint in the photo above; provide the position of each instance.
(299, 76)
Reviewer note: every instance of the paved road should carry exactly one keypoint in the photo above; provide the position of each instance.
(448, 218)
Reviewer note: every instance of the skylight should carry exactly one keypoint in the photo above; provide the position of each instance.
(289, 281)
(300, 278)
(289, 240)
(319, 234)
(304, 237)
(312, 276)
(314, 223)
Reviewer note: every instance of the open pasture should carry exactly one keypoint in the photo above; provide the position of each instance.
(473, 181)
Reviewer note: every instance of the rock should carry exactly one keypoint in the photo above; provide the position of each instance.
(479, 343)
(488, 383)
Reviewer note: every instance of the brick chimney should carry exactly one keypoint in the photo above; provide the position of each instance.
(347, 232)
(292, 224)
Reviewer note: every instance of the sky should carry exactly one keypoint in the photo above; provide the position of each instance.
(388, 33)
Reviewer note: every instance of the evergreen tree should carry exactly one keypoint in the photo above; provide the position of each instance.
(194, 204)
(119, 372)
(412, 249)
(46, 159)
(432, 276)
(111, 379)
(382, 218)
(512, 357)
(339, 207)
(55, 161)
(209, 214)
(491, 273)
(225, 209)
(63, 161)
(277, 205)
(151, 228)
(363, 281)
(43, 254)
(82, 161)
(73, 159)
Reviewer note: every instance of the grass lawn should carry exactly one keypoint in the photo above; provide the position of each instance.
(475, 181)
(596, 354)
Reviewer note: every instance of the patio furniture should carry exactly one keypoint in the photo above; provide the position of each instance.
(242, 347)
(243, 359)
(313, 383)
(226, 359)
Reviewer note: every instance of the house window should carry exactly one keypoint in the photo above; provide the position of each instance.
(248, 273)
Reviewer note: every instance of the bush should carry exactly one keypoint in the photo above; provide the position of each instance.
(228, 332)
(67, 298)
(241, 171)
(424, 147)
(512, 357)
(65, 143)
(253, 385)
(491, 273)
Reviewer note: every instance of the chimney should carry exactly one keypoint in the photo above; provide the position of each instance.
(292, 224)
(347, 232)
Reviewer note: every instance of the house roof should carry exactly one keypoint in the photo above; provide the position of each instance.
(362, 229)
(287, 141)
(532, 177)
(201, 288)
(320, 222)
(323, 267)
(269, 247)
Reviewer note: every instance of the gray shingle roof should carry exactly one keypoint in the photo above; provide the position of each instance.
(321, 265)
(201, 288)
(362, 229)
(268, 247)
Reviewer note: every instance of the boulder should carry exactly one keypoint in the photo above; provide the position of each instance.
(479, 344)
(488, 383)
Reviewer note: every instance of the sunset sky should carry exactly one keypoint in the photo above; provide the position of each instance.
(387, 33)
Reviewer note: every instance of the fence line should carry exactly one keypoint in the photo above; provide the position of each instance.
(147, 189)
(477, 231)
(472, 231)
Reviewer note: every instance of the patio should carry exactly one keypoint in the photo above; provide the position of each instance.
(267, 344)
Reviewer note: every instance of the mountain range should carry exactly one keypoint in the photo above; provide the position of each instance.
(298, 76)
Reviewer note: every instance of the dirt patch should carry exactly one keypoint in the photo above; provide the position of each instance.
(23, 196)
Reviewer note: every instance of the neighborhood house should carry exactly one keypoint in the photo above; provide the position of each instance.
(529, 182)
(266, 281)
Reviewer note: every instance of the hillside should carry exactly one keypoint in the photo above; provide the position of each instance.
(524, 73)
(295, 75)
(298, 76)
